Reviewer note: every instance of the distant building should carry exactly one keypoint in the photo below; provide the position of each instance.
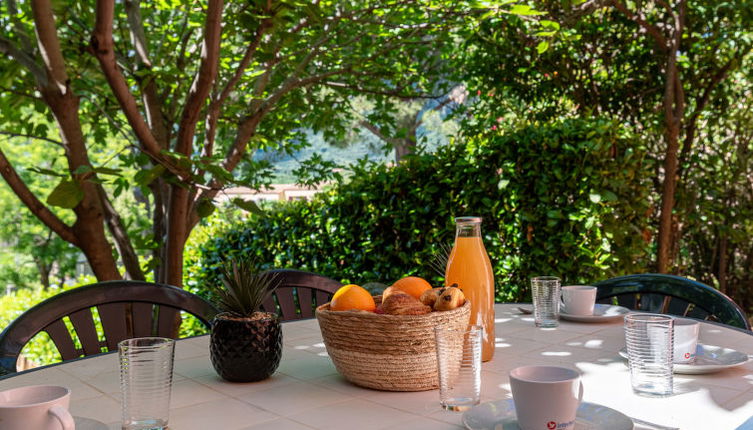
(276, 192)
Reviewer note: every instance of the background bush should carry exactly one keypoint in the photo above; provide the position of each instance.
(568, 198)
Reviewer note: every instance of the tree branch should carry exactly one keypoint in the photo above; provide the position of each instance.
(49, 45)
(7, 47)
(152, 102)
(120, 236)
(652, 30)
(11, 134)
(18, 28)
(102, 47)
(197, 95)
(216, 105)
(35, 206)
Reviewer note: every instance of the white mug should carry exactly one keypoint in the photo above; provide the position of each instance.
(546, 397)
(39, 407)
(686, 340)
(578, 299)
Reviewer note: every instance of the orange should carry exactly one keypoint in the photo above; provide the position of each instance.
(412, 285)
(351, 297)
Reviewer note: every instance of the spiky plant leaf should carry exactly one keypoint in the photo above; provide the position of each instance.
(243, 288)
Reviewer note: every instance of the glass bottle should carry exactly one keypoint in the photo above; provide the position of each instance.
(469, 267)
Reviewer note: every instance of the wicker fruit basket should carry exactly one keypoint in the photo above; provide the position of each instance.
(386, 352)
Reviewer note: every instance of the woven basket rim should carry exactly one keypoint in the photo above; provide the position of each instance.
(324, 310)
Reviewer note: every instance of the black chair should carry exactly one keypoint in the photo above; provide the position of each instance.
(126, 309)
(669, 294)
(299, 293)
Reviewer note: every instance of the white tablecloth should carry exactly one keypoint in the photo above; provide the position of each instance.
(307, 392)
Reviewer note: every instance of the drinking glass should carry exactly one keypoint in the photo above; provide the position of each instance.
(649, 339)
(546, 300)
(459, 366)
(146, 376)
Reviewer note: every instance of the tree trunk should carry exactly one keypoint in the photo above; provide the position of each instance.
(403, 147)
(177, 233)
(722, 273)
(89, 226)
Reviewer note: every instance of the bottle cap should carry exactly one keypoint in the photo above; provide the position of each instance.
(468, 219)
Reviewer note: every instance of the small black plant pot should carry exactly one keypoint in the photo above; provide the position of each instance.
(246, 349)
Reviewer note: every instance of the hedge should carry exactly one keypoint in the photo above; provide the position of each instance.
(568, 198)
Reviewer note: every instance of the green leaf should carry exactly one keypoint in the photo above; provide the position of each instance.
(205, 208)
(596, 198)
(525, 10)
(249, 206)
(145, 177)
(542, 46)
(67, 194)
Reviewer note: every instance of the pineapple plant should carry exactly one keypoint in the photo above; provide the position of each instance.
(245, 342)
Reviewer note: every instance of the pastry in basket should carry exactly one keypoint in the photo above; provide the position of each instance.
(403, 304)
(429, 297)
(449, 299)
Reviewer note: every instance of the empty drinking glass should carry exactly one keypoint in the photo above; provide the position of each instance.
(459, 366)
(546, 300)
(146, 376)
(649, 339)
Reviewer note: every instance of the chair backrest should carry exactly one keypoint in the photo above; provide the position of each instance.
(126, 309)
(299, 293)
(673, 295)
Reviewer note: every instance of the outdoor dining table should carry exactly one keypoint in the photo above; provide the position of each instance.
(307, 392)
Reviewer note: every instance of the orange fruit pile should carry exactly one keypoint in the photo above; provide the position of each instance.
(352, 297)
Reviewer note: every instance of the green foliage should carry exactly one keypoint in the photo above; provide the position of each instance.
(566, 198)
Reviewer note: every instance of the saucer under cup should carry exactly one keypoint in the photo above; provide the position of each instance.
(578, 299)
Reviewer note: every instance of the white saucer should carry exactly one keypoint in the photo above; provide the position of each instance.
(602, 313)
(89, 424)
(500, 415)
(708, 359)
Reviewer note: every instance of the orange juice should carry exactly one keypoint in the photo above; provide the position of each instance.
(470, 268)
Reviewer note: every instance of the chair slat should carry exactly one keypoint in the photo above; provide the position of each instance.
(287, 303)
(305, 304)
(168, 321)
(322, 297)
(62, 338)
(142, 316)
(678, 307)
(114, 324)
(83, 322)
(269, 305)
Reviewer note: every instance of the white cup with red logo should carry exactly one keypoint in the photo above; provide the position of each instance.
(686, 340)
(546, 397)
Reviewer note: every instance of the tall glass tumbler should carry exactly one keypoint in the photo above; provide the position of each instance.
(459, 366)
(546, 301)
(146, 377)
(649, 339)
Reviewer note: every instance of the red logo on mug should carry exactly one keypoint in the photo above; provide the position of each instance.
(551, 425)
(687, 355)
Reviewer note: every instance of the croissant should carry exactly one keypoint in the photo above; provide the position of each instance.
(403, 304)
(450, 298)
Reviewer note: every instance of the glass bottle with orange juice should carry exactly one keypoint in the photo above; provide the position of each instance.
(469, 267)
